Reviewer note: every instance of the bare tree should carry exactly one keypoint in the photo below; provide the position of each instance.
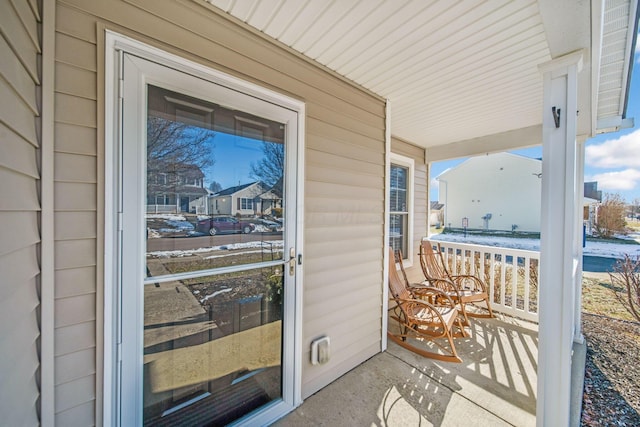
(175, 143)
(611, 216)
(270, 168)
(215, 187)
(626, 275)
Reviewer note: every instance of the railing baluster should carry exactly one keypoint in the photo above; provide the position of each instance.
(514, 283)
(488, 258)
(492, 266)
(527, 284)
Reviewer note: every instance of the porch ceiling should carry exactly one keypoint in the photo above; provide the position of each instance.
(456, 71)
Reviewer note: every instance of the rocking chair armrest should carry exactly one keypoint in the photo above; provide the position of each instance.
(445, 285)
(434, 294)
(428, 305)
(417, 287)
(478, 284)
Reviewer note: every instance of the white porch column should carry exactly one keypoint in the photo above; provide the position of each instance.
(579, 218)
(559, 252)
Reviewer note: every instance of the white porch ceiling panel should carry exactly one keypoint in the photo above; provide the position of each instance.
(453, 70)
(619, 16)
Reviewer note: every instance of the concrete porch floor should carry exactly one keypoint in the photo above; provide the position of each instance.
(495, 385)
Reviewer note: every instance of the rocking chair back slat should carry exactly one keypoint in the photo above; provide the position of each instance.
(431, 267)
(469, 288)
(397, 287)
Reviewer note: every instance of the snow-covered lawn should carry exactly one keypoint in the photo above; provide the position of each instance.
(600, 249)
(169, 217)
(233, 246)
(159, 225)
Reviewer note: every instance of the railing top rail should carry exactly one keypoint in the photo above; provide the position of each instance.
(486, 248)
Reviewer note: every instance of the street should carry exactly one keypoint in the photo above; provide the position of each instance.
(597, 264)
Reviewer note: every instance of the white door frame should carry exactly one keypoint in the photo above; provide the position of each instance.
(116, 46)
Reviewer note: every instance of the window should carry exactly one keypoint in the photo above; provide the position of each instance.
(246, 203)
(192, 182)
(401, 205)
(163, 199)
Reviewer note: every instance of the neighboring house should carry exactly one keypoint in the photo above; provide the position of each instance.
(270, 201)
(245, 200)
(436, 214)
(353, 89)
(498, 191)
(592, 200)
(200, 205)
(501, 192)
(174, 187)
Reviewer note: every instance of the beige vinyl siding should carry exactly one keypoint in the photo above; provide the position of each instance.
(19, 214)
(420, 200)
(75, 180)
(344, 185)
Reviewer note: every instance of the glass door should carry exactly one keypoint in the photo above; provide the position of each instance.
(207, 250)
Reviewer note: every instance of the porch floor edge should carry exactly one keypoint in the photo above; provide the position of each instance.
(578, 363)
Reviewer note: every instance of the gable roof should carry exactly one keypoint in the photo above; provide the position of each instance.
(507, 157)
(436, 206)
(232, 190)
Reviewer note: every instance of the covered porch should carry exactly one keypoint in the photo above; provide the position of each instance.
(366, 87)
(494, 385)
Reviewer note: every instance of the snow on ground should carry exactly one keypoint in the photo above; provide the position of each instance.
(260, 228)
(592, 248)
(233, 254)
(169, 217)
(221, 291)
(177, 226)
(230, 247)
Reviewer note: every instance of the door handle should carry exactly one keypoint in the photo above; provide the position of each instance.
(292, 261)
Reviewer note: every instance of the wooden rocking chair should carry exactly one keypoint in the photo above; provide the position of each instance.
(469, 289)
(430, 318)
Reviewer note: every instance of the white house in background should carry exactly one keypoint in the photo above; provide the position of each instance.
(436, 214)
(174, 187)
(246, 199)
(200, 205)
(591, 202)
(498, 191)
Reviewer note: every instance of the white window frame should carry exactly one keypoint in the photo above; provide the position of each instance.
(409, 163)
(247, 203)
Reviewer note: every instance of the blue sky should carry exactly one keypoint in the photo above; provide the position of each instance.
(233, 158)
(611, 159)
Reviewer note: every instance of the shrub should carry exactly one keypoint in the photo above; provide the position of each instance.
(611, 216)
(626, 275)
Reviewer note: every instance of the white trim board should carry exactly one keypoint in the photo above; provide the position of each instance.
(115, 47)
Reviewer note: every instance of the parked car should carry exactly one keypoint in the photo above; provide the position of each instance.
(224, 224)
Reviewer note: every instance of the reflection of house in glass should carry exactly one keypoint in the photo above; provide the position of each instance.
(175, 188)
(590, 204)
(251, 199)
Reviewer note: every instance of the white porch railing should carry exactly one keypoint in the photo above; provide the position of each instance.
(511, 274)
(162, 209)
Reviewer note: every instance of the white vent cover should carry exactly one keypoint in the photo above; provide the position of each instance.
(320, 350)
